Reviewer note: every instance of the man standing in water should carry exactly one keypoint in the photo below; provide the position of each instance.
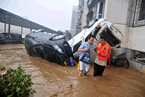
(103, 54)
(89, 45)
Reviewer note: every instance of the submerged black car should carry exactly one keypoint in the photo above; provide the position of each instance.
(13, 38)
(52, 47)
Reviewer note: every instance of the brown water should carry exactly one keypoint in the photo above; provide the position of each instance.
(53, 80)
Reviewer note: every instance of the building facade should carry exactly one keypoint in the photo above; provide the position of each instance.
(96, 9)
(74, 17)
(74, 20)
(129, 17)
(79, 16)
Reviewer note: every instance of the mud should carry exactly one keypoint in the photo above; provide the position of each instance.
(53, 80)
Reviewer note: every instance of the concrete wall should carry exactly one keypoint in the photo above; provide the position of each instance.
(137, 38)
(116, 11)
(136, 42)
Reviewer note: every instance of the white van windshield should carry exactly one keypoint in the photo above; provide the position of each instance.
(110, 38)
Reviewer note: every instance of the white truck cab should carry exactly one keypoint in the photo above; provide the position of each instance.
(97, 28)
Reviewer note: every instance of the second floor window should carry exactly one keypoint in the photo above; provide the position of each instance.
(100, 10)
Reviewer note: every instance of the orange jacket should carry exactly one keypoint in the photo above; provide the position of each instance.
(103, 51)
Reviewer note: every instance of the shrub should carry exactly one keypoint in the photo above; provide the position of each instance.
(16, 83)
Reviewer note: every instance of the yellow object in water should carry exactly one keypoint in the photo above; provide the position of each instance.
(78, 66)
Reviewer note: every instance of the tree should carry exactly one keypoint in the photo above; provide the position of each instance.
(68, 35)
(66, 31)
(59, 32)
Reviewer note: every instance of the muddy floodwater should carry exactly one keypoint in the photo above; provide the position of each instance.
(53, 80)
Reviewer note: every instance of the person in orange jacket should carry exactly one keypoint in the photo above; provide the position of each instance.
(103, 54)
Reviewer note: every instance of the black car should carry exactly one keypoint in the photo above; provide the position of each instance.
(13, 38)
(52, 47)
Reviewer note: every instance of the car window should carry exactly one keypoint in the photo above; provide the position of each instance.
(110, 38)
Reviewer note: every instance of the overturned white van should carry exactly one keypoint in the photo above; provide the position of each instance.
(97, 28)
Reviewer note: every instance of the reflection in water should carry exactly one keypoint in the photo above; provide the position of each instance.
(53, 80)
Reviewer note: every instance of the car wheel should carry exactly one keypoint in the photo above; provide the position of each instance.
(125, 63)
(61, 62)
(28, 51)
(122, 63)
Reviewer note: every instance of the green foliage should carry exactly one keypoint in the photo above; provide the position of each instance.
(68, 35)
(2, 68)
(16, 83)
(59, 32)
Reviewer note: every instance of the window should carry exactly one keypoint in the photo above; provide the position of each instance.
(137, 56)
(142, 11)
(136, 13)
(99, 10)
(89, 17)
(110, 38)
(96, 11)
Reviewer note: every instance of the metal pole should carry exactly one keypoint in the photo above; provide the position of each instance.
(5, 28)
(21, 31)
(9, 28)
